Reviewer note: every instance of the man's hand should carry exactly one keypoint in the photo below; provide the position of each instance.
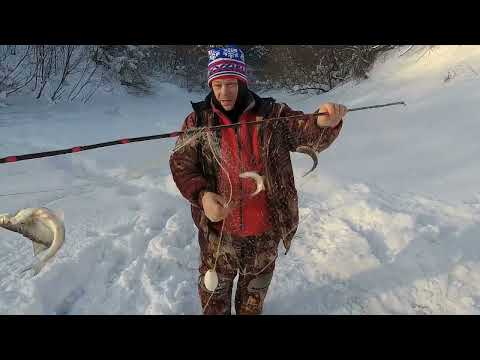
(214, 206)
(336, 112)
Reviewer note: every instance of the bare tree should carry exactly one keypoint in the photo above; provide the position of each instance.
(46, 56)
(20, 61)
(68, 67)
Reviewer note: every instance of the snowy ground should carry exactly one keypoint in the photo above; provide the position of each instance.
(389, 221)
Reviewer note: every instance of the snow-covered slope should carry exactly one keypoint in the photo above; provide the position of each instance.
(389, 221)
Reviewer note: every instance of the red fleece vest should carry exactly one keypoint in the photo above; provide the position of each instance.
(240, 150)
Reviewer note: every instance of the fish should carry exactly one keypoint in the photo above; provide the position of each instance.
(44, 227)
(259, 180)
(310, 152)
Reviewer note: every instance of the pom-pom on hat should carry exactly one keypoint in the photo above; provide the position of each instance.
(225, 62)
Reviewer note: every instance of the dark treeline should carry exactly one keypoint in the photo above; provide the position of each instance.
(74, 72)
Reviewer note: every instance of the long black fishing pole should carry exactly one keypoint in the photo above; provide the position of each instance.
(16, 158)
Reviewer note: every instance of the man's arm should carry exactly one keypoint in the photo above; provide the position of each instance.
(185, 167)
(306, 132)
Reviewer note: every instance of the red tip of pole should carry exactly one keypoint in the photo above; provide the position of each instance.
(11, 159)
(124, 141)
(76, 149)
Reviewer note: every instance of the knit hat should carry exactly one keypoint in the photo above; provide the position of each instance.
(226, 62)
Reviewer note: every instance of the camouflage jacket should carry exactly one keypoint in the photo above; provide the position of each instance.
(194, 170)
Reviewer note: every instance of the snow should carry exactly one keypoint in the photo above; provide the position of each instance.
(389, 221)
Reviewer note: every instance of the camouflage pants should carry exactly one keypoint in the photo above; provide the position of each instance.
(253, 257)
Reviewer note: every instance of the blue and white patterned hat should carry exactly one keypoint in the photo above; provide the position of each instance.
(226, 62)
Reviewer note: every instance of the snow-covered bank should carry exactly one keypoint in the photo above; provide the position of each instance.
(389, 219)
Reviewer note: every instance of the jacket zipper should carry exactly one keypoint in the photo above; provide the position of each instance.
(241, 170)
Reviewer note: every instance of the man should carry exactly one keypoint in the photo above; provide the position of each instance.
(238, 232)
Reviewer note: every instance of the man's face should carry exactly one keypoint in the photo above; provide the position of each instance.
(226, 92)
